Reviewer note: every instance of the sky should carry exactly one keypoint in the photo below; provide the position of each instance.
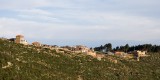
(82, 22)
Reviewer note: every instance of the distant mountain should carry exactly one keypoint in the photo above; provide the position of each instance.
(19, 62)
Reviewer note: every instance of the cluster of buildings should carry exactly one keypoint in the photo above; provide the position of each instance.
(73, 49)
(80, 49)
(137, 54)
(19, 39)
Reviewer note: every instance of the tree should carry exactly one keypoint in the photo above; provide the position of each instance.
(122, 48)
(108, 46)
(132, 48)
(99, 48)
(126, 47)
(117, 48)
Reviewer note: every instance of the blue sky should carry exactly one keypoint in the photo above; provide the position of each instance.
(87, 22)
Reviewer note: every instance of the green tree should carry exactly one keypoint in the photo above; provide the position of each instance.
(126, 48)
(108, 46)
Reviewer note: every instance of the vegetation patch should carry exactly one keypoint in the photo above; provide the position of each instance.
(19, 62)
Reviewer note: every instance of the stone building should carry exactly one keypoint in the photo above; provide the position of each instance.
(121, 54)
(82, 49)
(20, 40)
(37, 44)
(139, 53)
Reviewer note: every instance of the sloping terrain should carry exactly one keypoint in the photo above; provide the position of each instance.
(20, 62)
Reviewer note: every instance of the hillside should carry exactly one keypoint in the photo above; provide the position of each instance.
(19, 62)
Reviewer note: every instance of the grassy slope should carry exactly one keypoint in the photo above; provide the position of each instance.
(29, 64)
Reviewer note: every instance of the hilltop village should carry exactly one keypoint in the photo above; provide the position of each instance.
(137, 54)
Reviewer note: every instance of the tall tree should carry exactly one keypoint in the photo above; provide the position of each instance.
(126, 47)
(108, 46)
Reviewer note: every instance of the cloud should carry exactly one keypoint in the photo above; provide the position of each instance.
(114, 26)
(34, 12)
(22, 4)
(81, 20)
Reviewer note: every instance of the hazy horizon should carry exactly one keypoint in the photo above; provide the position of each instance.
(87, 22)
